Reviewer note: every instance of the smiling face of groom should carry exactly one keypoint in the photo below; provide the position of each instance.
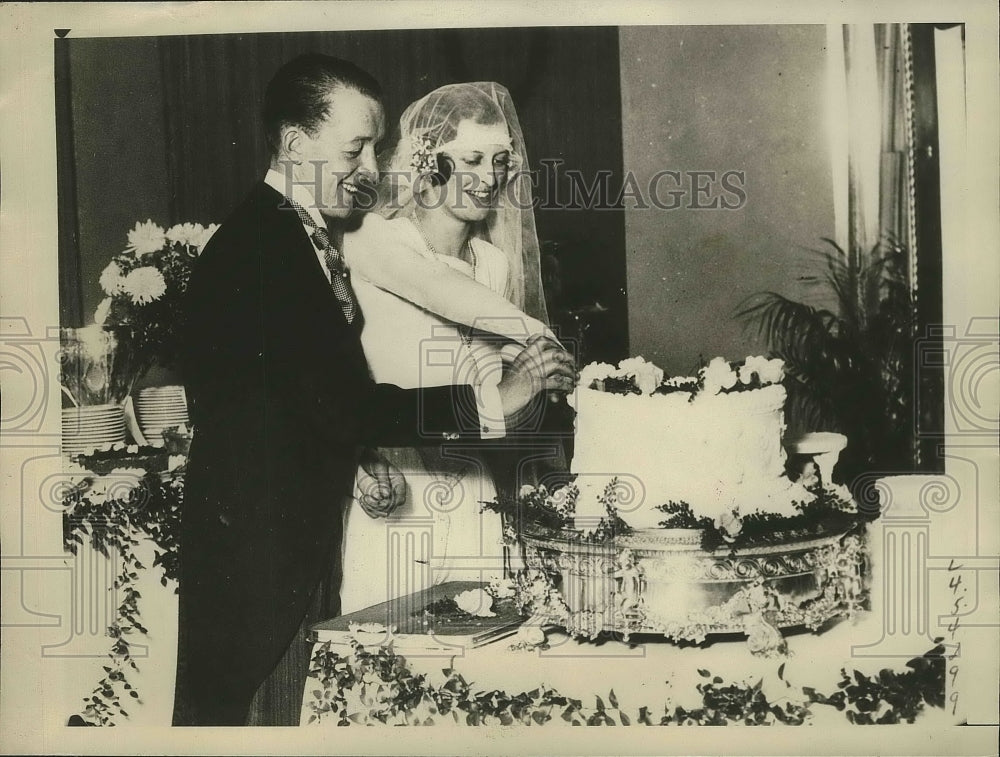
(339, 156)
(323, 117)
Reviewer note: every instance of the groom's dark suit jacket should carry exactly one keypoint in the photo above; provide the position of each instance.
(281, 401)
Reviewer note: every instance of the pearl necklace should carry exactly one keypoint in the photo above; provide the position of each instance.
(463, 331)
(470, 252)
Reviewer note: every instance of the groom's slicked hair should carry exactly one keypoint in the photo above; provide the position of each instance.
(299, 93)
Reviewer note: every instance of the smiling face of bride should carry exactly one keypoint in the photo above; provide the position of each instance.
(477, 165)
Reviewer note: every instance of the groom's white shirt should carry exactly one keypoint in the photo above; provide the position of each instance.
(488, 403)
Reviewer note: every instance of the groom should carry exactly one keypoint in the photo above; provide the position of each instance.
(282, 399)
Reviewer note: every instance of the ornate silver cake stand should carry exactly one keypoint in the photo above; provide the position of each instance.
(661, 582)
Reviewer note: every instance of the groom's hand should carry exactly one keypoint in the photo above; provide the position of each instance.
(543, 365)
(381, 485)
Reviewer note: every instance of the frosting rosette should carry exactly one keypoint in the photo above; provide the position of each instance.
(647, 376)
(718, 376)
(595, 372)
(768, 371)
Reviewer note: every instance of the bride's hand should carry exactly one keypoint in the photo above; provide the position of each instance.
(541, 366)
(381, 486)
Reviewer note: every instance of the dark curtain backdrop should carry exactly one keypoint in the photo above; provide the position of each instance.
(112, 164)
(70, 275)
(187, 109)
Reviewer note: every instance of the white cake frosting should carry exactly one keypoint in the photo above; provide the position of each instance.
(717, 448)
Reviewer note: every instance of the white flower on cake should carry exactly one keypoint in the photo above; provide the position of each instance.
(145, 284)
(718, 375)
(768, 371)
(145, 238)
(595, 372)
(774, 373)
(647, 376)
(752, 365)
(112, 281)
(729, 524)
(102, 310)
(475, 602)
(526, 490)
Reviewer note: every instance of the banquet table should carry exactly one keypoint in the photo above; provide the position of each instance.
(625, 678)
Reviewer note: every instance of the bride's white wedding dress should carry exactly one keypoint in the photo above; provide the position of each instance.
(439, 533)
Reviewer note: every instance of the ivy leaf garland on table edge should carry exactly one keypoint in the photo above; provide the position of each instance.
(110, 507)
(378, 687)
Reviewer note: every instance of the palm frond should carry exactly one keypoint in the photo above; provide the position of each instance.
(849, 370)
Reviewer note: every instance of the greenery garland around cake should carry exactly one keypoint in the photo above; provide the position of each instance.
(636, 375)
(828, 513)
(536, 508)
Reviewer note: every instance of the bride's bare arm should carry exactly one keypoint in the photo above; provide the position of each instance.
(375, 252)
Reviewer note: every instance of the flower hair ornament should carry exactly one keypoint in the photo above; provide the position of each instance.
(422, 159)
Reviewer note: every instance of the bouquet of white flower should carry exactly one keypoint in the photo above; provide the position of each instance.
(144, 287)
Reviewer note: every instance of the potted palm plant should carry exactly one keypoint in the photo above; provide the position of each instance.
(850, 369)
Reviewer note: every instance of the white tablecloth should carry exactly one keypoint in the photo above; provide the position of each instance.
(659, 673)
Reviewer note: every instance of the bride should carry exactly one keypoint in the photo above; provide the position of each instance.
(457, 191)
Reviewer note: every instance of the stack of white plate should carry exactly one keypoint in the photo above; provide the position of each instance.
(91, 427)
(158, 408)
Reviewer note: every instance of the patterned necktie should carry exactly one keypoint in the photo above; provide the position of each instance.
(340, 278)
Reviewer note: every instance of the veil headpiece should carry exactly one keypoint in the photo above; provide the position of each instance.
(429, 127)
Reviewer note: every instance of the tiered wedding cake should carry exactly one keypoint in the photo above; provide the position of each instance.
(681, 521)
(711, 441)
